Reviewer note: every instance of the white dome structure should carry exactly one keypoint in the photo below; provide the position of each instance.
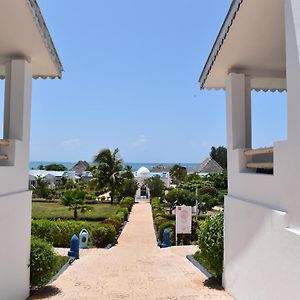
(143, 172)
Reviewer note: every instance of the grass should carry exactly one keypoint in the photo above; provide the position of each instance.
(53, 211)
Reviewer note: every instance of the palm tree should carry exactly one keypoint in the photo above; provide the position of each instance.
(74, 199)
(178, 173)
(109, 165)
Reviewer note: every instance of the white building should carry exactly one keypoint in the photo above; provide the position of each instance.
(26, 51)
(142, 175)
(258, 48)
(53, 178)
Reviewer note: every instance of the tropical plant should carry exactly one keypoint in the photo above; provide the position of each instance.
(127, 173)
(180, 197)
(127, 188)
(108, 170)
(210, 240)
(178, 173)
(127, 202)
(42, 190)
(156, 186)
(219, 154)
(75, 200)
(55, 167)
(102, 236)
(42, 262)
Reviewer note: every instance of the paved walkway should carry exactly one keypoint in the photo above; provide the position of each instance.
(135, 269)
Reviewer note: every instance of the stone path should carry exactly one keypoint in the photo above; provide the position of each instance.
(135, 269)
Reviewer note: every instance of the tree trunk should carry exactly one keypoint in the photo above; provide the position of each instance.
(75, 214)
(112, 195)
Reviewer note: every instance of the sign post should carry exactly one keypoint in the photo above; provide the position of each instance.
(183, 220)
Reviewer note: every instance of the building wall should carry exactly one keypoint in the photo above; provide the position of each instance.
(262, 212)
(15, 199)
(15, 224)
(261, 256)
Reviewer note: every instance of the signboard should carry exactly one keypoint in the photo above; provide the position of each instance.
(183, 220)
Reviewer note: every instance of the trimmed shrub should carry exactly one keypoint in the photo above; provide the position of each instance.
(159, 220)
(42, 262)
(171, 226)
(158, 212)
(113, 222)
(59, 233)
(103, 236)
(125, 211)
(170, 217)
(155, 202)
(210, 240)
(120, 216)
(127, 202)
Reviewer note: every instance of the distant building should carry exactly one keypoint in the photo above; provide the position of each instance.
(208, 166)
(53, 178)
(80, 167)
(143, 174)
(161, 169)
(86, 176)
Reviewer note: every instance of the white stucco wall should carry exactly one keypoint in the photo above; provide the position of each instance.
(15, 199)
(15, 224)
(262, 212)
(261, 255)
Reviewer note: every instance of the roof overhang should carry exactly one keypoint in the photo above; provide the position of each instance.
(24, 34)
(251, 41)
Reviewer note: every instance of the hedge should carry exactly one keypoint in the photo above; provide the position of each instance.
(127, 202)
(59, 233)
(42, 262)
(116, 223)
(125, 211)
(210, 242)
(102, 236)
(155, 202)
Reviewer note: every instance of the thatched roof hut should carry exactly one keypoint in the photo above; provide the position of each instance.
(209, 166)
(80, 167)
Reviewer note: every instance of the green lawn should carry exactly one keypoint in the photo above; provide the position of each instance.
(42, 210)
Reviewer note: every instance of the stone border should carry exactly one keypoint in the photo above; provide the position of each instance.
(198, 265)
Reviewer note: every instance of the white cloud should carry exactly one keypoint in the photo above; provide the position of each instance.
(140, 141)
(71, 143)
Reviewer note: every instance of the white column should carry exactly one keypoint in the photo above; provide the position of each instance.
(17, 110)
(17, 107)
(238, 93)
(292, 33)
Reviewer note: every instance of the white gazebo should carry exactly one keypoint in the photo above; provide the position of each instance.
(258, 48)
(141, 176)
(26, 52)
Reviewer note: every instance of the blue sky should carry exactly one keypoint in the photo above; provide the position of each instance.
(130, 81)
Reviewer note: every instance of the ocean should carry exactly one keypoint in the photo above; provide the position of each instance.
(135, 166)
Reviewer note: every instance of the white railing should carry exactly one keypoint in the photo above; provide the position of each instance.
(261, 158)
(4, 143)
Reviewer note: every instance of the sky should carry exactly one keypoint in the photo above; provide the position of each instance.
(131, 81)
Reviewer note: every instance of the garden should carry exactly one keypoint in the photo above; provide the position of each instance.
(59, 213)
(206, 193)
